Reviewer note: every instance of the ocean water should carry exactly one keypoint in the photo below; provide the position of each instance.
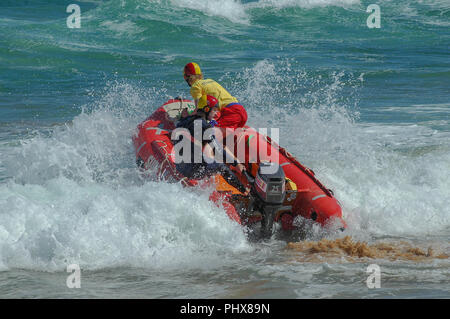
(368, 109)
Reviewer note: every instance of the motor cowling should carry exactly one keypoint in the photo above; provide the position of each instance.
(269, 184)
(269, 191)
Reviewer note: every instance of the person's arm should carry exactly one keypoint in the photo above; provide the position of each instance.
(196, 92)
(238, 165)
(227, 154)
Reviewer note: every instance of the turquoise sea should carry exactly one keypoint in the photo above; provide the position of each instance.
(367, 108)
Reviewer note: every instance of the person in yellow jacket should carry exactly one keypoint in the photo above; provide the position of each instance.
(232, 113)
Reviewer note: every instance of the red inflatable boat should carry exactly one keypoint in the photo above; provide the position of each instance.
(291, 191)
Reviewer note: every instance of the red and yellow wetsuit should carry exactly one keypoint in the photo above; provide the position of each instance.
(232, 114)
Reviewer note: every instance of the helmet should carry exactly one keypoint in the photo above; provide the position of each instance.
(207, 102)
(191, 68)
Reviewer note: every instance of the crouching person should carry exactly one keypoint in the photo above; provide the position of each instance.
(195, 156)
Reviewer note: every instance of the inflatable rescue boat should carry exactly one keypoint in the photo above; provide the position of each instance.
(280, 189)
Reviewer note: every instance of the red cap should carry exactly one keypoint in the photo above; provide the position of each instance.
(207, 102)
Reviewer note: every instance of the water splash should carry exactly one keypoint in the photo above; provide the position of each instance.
(383, 190)
(76, 196)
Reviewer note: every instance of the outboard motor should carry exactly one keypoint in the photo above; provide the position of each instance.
(269, 190)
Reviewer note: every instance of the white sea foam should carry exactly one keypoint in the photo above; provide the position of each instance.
(154, 225)
(238, 12)
(232, 10)
(303, 3)
(121, 28)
